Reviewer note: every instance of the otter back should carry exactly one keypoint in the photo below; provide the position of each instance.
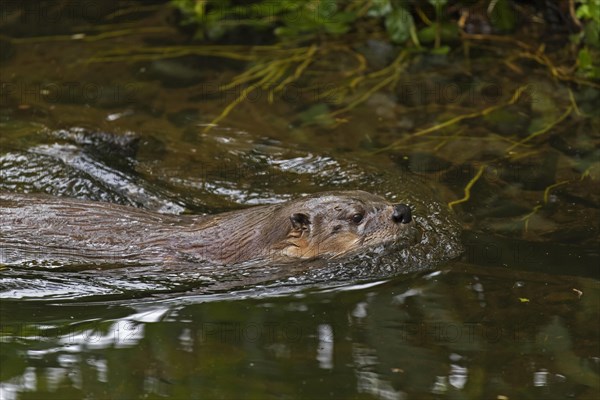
(56, 231)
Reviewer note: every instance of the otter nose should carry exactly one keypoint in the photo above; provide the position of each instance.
(402, 213)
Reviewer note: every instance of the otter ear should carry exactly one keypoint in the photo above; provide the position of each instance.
(300, 221)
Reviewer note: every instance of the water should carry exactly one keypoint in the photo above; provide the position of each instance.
(514, 316)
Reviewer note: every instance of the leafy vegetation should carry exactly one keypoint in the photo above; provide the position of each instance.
(588, 17)
(310, 19)
(298, 34)
(425, 25)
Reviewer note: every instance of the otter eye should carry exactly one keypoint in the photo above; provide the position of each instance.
(357, 218)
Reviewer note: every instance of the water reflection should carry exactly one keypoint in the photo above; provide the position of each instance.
(417, 336)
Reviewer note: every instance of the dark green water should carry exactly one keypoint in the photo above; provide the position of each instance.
(515, 316)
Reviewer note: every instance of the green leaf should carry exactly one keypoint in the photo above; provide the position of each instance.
(380, 8)
(398, 24)
(503, 16)
(438, 5)
(427, 34)
(442, 50)
(584, 58)
(583, 12)
(448, 31)
(591, 33)
(586, 65)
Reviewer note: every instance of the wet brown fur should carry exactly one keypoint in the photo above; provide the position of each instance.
(62, 230)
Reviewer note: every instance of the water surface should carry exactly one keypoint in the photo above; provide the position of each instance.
(514, 316)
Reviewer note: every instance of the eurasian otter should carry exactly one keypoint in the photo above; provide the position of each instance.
(58, 231)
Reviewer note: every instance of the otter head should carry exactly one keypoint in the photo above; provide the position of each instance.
(336, 223)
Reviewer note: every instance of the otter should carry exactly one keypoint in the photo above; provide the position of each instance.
(55, 231)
